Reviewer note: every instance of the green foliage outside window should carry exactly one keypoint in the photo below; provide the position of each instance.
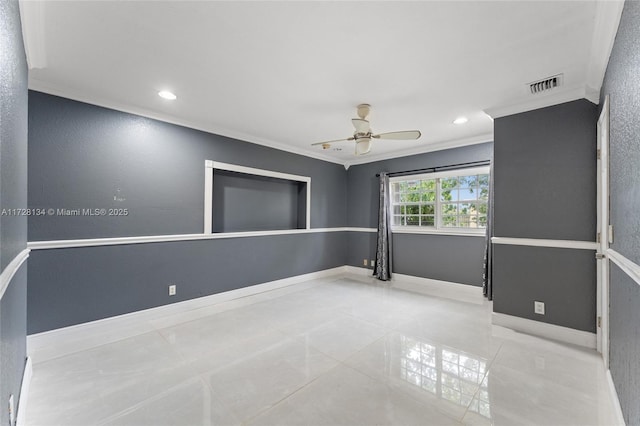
(448, 202)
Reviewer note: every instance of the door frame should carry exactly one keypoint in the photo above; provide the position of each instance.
(603, 236)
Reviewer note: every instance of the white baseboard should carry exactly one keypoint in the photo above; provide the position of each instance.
(364, 272)
(63, 341)
(614, 399)
(446, 289)
(548, 331)
(24, 393)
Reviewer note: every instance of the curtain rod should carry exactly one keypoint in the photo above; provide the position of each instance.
(437, 168)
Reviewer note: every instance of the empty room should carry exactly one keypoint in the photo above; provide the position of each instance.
(319, 213)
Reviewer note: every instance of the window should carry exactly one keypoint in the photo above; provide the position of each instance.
(453, 200)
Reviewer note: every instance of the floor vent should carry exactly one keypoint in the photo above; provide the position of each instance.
(546, 84)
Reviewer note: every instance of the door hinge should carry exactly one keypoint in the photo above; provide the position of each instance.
(600, 256)
(599, 322)
(610, 234)
(598, 237)
(599, 154)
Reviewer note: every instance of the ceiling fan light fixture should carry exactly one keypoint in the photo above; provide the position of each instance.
(363, 146)
(460, 120)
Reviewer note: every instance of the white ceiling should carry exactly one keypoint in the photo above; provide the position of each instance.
(287, 74)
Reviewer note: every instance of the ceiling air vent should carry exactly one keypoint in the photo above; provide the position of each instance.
(546, 84)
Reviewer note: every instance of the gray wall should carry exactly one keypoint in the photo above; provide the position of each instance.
(13, 194)
(562, 278)
(98, 282)
(428, 256)
(244, 202)
(622, 83)
(545, 187)
(80, 155)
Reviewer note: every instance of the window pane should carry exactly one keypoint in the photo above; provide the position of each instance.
(413, 220)
(428, 184)
(398, 210)
(429, 196)
(464, 221)
(410, 197)
(449, 183)
(449, 221)
(468, 181)
(449, 209)
(449, 195)
(484, 194)
(398, 220)
(427, 209)
(428, 220)
(483, 221)
(413, 209)
(468, 194)
(482, 208)
(483, 180)
(413, 185)
(467, 208)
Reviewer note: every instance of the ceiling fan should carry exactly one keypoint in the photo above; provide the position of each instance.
(363, 133)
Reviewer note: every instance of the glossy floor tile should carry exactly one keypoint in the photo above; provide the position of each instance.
(341, 351)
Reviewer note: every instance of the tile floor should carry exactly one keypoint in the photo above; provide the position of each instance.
(340, 351)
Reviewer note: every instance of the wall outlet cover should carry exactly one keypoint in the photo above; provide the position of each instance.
(364, 262)
(538, 308)
(172, 290)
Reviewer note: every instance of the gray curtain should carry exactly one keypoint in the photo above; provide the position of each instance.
(382, 269)
(487, 279)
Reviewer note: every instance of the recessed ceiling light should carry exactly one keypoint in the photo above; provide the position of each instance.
(460, 120)
(165, 94)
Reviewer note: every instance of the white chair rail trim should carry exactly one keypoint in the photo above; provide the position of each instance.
(628, 266)
(7, 274)
(539, 242)
(93, 242)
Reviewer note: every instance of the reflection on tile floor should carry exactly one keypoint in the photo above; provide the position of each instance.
(340, 351)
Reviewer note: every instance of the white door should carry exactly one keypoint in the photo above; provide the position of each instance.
(603, 234)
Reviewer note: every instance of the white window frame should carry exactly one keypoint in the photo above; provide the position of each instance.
(438, 228)
(210, 166)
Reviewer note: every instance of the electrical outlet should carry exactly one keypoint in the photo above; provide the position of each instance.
(172, 290)
(373, 263)
(12, 411)
(364, 262)
(538, 308)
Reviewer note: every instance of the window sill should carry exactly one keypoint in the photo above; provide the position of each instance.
(454, 232)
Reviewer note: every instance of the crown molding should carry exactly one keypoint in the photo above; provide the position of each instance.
(429, 147)
(41, 86)
(607, 20)
(32, 17)
(555, 97)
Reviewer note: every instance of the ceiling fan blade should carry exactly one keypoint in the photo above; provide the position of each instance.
(335, 140)
(404, 135)
(361, 125)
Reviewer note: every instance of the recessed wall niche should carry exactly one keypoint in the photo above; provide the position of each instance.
(245, 199)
